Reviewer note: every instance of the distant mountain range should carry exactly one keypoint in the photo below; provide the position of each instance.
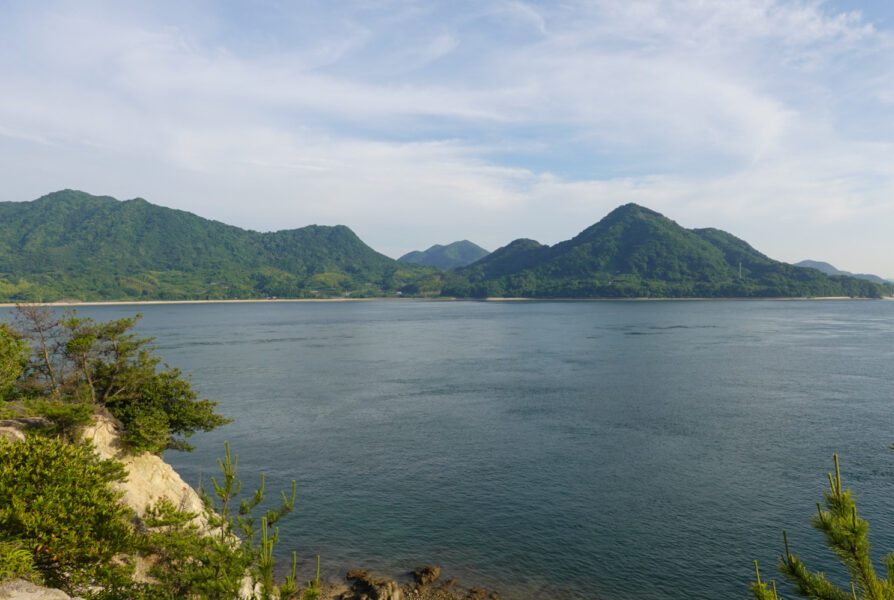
(71, 245)
(637, 252)
(451, 256)
(830, 270)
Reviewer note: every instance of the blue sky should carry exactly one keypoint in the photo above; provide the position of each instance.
(419, 122)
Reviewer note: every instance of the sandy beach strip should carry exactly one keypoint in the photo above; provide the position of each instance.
(76, 303)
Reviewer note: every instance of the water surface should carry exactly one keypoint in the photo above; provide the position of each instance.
(562, 450)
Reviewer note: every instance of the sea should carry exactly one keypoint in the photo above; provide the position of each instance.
(546, 450)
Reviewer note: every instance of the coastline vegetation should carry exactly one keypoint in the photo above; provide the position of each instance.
(67, 368)
(71, 246)
(62, 524)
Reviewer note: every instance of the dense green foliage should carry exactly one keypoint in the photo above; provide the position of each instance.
(71, 245)
(62, 524)
(451, 256)
(637, 253)
(847, 535)
(56, 503)
(13, 359)
(78, 366)
(17, 562)
(190, 564)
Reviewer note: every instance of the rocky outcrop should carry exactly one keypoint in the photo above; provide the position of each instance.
(22, 589)
(365, 586)
(12, 434)
(148, 476)
(427, 574)
(14, 429)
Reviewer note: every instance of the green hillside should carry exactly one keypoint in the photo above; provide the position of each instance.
(637, 252)
(451, 256)
(72, 245)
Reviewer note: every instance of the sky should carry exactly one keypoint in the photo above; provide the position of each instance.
(416, 122)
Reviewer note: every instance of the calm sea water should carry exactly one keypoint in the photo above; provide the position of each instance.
(616, 450)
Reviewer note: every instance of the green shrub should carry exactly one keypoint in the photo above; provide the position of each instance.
(13, 359)
(56, 500)
(189, 563)
(147, 431)
(17, 562)
(160, 410)
(65, 418)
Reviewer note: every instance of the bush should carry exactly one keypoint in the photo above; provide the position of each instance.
(56, 501)
(16, 562)
(160, 410)
(191, 563)
(65, 418)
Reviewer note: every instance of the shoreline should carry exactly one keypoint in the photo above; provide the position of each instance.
(67, 304)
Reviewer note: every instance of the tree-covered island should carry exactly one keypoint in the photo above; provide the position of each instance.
(71, 246)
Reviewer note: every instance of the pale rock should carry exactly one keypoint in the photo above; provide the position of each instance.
(148, 479)
(22, 589)
(12, 434)
(148, 476)
(13, 429)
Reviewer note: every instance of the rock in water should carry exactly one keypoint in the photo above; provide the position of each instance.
(368, 587)
(427, 574)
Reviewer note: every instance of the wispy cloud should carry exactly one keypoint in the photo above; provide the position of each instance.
(418, 123)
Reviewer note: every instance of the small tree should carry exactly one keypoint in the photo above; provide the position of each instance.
(41, 326)
(80, 362)
(191, 563)
(848, 536)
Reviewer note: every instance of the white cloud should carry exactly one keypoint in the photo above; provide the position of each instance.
(418, 123)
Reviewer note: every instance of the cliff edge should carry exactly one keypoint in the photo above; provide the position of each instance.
(149, 477)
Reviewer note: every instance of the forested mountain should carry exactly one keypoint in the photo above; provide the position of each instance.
(830, 270)
(72, 245)
(637, 252)
(451, 256)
